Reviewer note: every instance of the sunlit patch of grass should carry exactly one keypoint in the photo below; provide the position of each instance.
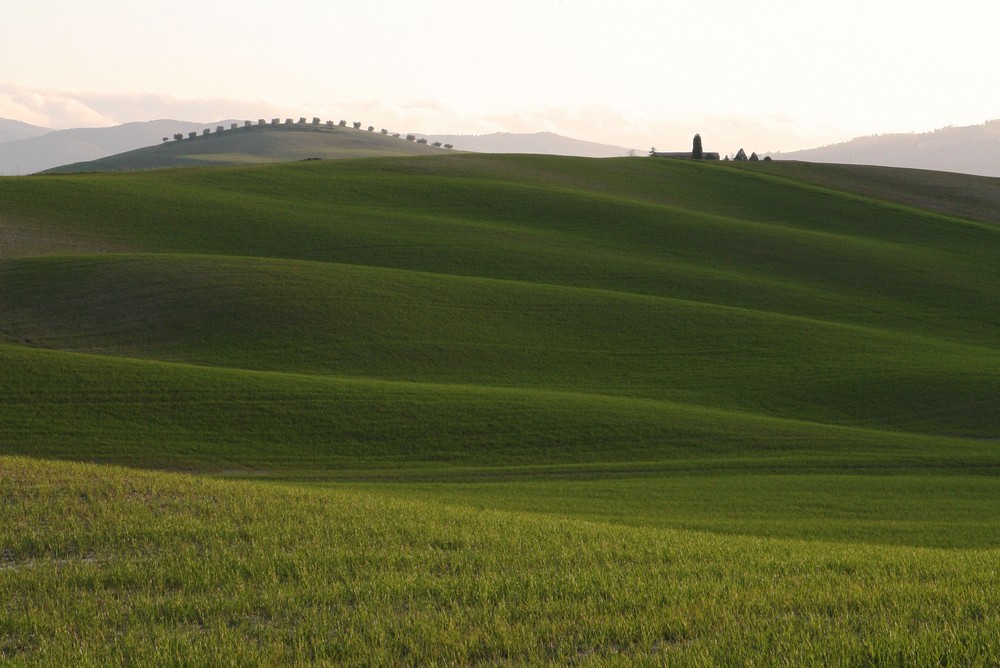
(112, 566)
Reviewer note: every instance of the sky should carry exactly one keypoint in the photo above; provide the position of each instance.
(770, 75)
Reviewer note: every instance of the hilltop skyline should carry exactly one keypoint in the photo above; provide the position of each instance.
(771, 78)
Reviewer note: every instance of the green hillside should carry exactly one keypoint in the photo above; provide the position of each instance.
(254, 145)
(788, 301)
(698, 286)
(762, 397)
(976, 197)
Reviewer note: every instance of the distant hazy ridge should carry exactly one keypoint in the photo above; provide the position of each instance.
(973, 149)
(28, 149)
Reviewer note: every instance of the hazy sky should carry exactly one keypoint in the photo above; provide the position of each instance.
(768, 75)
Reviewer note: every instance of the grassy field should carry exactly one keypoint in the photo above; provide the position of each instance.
(110, 566)
(974, 197)
(499, 409)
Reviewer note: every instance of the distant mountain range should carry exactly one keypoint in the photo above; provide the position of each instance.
(52, 148)
(547, 143)
(973, 149)
(14, 130)
(26, 149)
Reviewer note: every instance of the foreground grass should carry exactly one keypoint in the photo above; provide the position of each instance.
(109, 566)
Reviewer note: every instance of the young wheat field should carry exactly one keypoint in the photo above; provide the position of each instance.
(500, 410)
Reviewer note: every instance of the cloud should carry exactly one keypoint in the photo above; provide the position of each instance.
(603, 123)
(725, 133)
(421, 116)
(47, 108)
(60, 109)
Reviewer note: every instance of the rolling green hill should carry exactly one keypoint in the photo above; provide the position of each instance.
(763, 397)
(698, 286)
(975, 197)
(679, 282)
(254, 145)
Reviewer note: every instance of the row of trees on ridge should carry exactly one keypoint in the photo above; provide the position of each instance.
(316, 122)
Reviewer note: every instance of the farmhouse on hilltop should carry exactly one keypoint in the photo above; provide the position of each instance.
(695, 154)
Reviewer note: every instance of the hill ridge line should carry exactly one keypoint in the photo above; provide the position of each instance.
(581, 191)
(882, 332)
(866, 198)
(478, 388)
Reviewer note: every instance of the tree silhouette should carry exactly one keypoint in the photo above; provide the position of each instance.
(741, 155)
(696, 151)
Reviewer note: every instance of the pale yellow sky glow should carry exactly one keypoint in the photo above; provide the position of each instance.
(771, 76)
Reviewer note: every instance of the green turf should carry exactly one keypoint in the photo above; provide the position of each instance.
(919, 506)
(114, 567)
(973, 197)
(334, 319)
(501, 409)
(284, 425)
